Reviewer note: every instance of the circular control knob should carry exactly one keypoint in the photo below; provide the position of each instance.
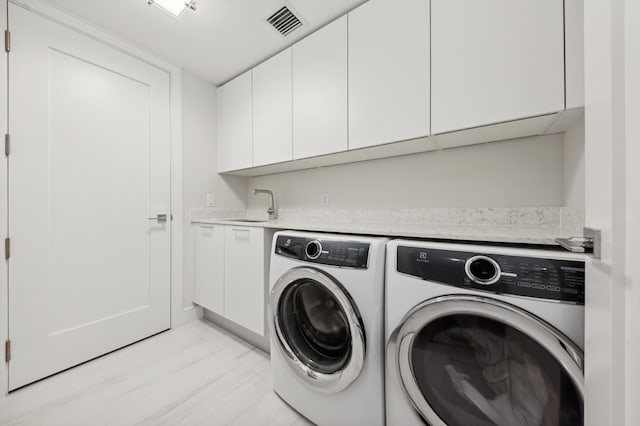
(313, 249)
(482, 270)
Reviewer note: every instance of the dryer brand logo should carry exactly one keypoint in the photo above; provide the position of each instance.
(422, 257)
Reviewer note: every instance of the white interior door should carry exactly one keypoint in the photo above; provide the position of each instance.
(89, 272)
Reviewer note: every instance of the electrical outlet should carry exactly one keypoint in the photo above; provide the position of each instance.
(211, 200)
(324, 199)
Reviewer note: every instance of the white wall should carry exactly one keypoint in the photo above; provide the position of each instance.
(520, 172)
(574, 166)
(200, 164)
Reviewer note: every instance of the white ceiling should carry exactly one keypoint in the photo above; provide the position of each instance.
(218, 41)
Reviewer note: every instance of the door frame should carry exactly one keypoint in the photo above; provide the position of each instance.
(4, 291)
(632, 207)
(181, 311)
(612, 93)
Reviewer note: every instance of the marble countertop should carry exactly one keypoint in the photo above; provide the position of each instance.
(490, 225)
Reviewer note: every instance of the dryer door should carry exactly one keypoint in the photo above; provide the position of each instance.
(468, 360)
(317, 327)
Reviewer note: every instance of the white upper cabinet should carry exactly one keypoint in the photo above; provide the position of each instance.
(272, 114)
(388, 72)
(574, 52)
(374, 83)
(320, 92)
(236, 124)
(494, 61)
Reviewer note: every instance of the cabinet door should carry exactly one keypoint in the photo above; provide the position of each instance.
(236, 122)
(388, 72)
(494, 61)
(209, 274)
(272, 115)
(245, 285)
(320, 92)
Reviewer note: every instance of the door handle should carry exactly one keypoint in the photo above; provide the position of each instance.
(160, 217)
(590, 242)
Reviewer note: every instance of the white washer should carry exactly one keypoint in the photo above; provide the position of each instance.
(327, 326)
(483, 335)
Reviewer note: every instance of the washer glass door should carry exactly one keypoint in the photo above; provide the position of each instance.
(467, 360)
(318, 328)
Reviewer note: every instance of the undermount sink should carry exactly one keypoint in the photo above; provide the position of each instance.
(245, 220)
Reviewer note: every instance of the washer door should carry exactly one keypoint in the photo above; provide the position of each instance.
(317, 328)
(468, 360)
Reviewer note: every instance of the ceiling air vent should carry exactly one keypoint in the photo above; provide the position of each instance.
(284, 21)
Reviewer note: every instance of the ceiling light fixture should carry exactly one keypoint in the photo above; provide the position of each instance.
(174, 7)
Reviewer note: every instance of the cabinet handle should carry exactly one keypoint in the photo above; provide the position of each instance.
(239, 230)
(207, 226)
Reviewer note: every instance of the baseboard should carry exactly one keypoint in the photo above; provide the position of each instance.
(261, 342)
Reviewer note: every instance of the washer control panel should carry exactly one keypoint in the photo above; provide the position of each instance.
(561, 280)
(346, 253)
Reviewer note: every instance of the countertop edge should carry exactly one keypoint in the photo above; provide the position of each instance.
(478, 233)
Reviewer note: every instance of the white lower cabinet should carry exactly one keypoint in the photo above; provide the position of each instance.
(231, 273)
(209, 274)
(244, 277)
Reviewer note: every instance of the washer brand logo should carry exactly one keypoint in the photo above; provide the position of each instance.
(423, 255)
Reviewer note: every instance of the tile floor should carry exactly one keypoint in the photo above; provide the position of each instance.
(197, 374)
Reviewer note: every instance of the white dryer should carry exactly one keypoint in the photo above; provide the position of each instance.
(327, 326)
(483, 335)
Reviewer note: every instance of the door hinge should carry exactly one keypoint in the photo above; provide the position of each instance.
(7, 41)
(7, 351)
(7, 144)
(7, 248)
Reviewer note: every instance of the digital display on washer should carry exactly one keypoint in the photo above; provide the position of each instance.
(561, 280)
(326, 252)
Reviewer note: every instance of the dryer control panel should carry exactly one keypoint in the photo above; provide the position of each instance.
(341, 253)
(561, 280)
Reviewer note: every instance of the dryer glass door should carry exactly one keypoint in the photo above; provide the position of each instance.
(318, 328)
(313, 323)
(467, 360)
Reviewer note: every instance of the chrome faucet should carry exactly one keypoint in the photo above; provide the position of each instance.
(273, 213)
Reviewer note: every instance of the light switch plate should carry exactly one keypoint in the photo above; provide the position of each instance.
(324, 199)
(211, 200)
